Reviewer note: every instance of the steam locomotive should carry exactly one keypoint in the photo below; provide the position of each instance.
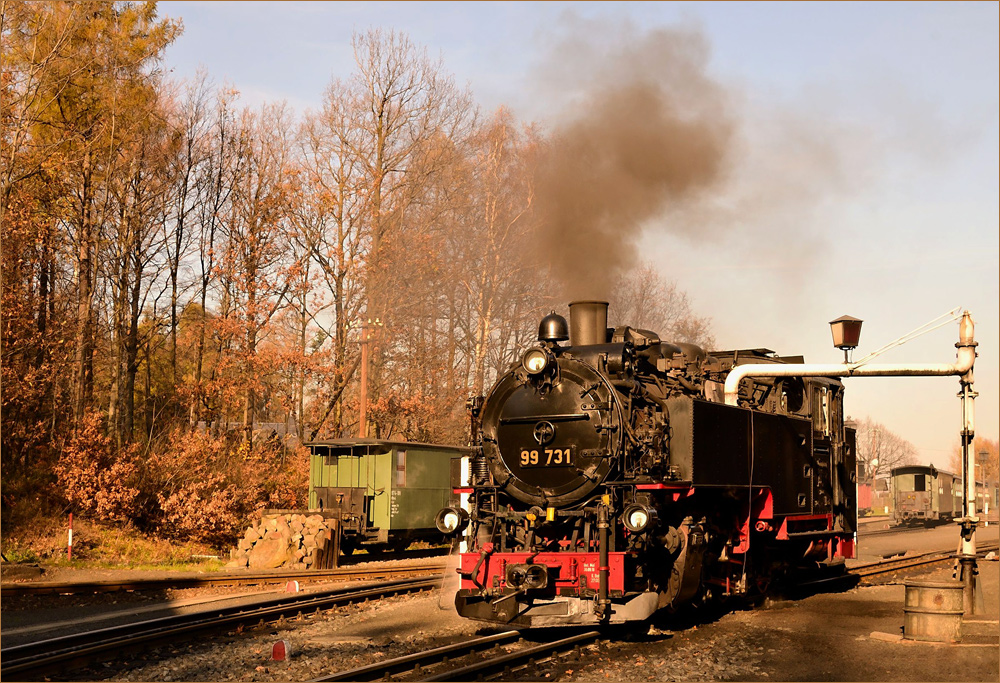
(609, 479)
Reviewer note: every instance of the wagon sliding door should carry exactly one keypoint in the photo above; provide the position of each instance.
(379, 486)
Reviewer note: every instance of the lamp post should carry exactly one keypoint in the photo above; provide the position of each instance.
(846, 332)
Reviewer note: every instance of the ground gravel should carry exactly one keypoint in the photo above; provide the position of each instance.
(355, 636)
(336, 640)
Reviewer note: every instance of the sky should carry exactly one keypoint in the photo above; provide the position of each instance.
(863, 178)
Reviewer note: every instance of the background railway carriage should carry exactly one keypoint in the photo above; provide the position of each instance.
(927, 495)
(385, 493)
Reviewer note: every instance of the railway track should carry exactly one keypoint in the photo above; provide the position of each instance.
(894, 528)
(891, 530)
(489, 656)
(895, 564)
(358, 573)
(33, 660)
(476, 659)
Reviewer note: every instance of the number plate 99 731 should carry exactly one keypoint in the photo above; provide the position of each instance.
(546, 457)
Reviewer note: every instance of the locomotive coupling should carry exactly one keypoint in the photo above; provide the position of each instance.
(527, 576)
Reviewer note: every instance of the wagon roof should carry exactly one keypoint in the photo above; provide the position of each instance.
(350, 443)
(920, 469)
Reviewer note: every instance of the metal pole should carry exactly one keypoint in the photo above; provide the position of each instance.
(961, 367)
(969, 519)
(983, 455)
(603, 603)
(363, 419)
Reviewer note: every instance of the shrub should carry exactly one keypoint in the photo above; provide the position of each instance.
(95, 477)
(210, 486)
(190, 486)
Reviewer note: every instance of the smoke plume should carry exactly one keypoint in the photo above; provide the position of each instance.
(646, 128)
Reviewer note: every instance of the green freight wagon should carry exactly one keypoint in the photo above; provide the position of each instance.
(385, 493)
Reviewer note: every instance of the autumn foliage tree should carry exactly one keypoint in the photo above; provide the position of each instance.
(987, 460)
(185, 278)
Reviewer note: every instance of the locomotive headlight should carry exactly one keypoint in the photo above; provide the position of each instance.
(451, 520)
(638, 518)
(534, 361)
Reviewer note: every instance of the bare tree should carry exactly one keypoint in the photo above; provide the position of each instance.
(400, 100)
(378, 129)
(216, 177)
(190, 130)
(138, 191)
(880, 450)
(331, 222)
(498, 268)
(645, 299)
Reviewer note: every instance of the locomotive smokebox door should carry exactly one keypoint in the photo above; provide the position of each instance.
(555, 446)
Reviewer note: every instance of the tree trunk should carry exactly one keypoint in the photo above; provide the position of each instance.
(83, 388)
(43, 299)
(132, 351)
(148, 402)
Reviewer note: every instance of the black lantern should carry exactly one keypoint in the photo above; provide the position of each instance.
(846, 333)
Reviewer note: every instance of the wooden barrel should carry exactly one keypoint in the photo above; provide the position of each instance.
(932, 610)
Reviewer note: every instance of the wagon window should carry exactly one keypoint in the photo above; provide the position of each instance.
(919, 482)
(400, 468)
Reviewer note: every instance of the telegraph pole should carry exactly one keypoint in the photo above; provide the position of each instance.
(367, 334)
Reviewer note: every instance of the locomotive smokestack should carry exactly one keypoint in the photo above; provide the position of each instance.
(588, 323)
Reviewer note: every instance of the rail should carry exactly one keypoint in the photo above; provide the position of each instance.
(247, 579)
(441, 660)
(81, 649)
(894, 564)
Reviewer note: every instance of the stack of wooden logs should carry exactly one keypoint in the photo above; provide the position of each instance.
(287, 540)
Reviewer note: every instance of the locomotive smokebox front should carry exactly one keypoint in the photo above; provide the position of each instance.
(588, 323)
(552, 427)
